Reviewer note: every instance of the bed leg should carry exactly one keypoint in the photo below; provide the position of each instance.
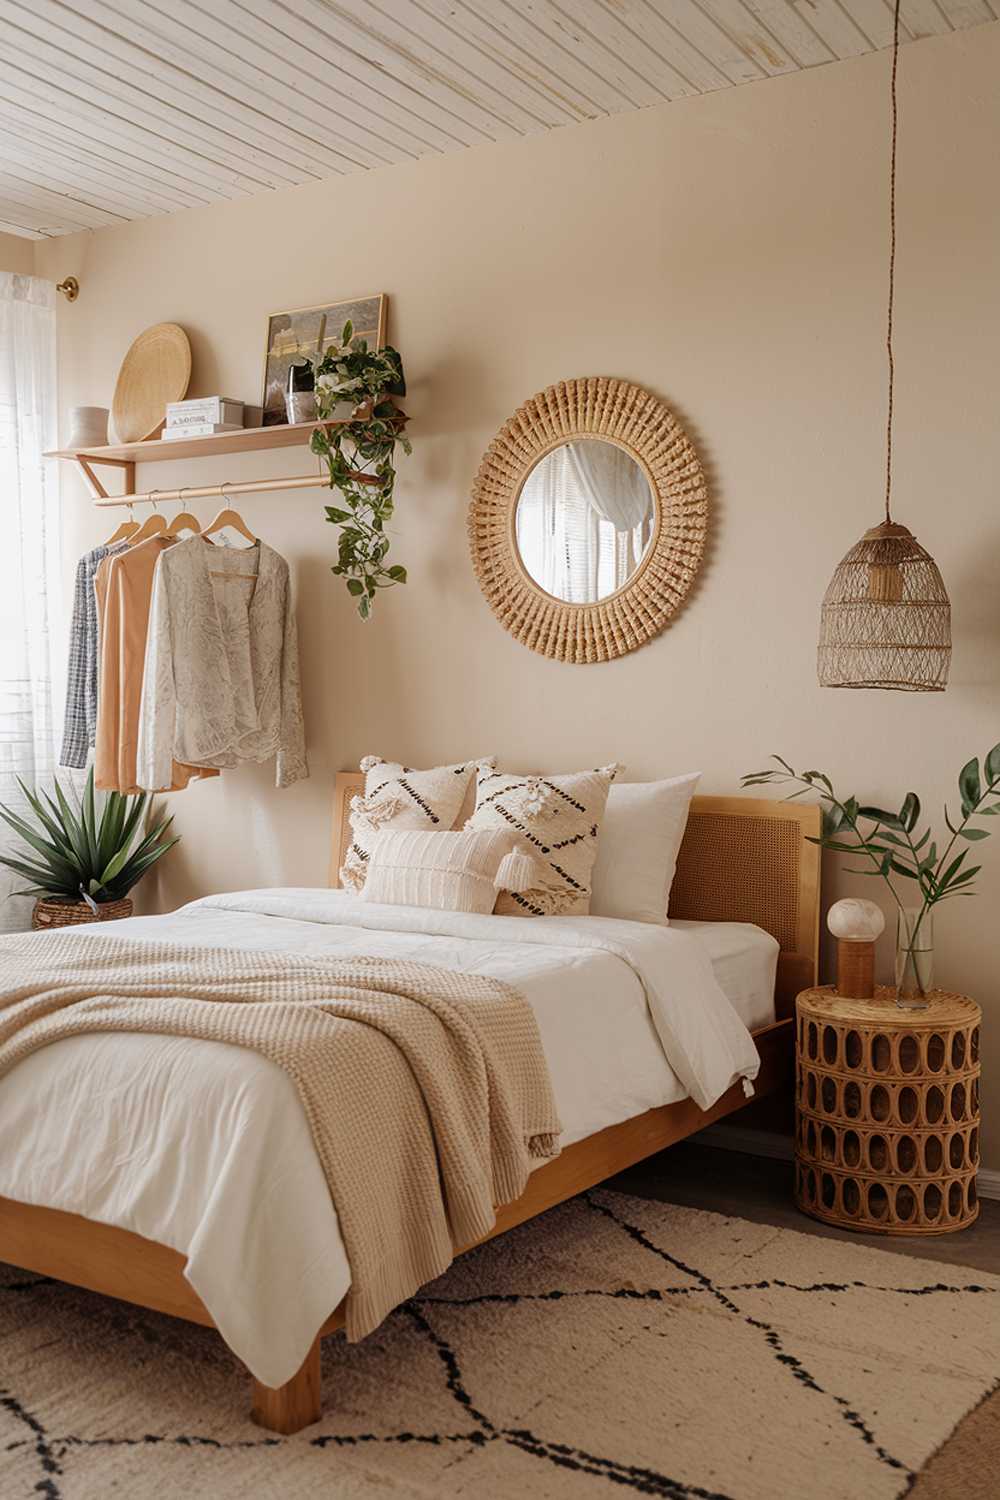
(293, 1406)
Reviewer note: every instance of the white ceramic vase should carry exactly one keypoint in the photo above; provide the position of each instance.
(88, 427)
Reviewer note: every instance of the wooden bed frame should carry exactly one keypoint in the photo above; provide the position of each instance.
(742, 860)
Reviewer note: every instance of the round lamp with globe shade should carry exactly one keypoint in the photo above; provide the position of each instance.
(856, 925)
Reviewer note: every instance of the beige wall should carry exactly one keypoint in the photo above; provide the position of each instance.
(729, 253)
(17, 254)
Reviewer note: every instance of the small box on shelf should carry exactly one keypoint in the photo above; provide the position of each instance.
(199, 429)
(200, 410)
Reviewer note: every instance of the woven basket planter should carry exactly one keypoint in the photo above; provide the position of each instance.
(887, 1118)
(52, 912)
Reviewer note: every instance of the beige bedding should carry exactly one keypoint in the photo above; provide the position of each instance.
(426, 1089)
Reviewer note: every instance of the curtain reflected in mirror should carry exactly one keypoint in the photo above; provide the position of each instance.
(585, 517)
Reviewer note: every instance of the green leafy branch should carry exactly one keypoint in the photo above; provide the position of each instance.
(359, 458)
(892, 844)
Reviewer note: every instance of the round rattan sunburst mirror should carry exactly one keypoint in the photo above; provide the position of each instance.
(588, 520)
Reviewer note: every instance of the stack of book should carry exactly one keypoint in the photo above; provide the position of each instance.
(202, 416)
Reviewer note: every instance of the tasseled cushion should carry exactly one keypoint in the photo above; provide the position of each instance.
(461, 871)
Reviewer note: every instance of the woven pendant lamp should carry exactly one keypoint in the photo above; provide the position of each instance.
(886, 620)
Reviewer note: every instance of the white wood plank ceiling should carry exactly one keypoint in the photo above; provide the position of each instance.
(121, 109)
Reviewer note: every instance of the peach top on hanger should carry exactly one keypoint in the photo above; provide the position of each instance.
(123, 600)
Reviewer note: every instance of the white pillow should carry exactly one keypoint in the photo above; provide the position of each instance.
(461, 871)
(396, 796)
(559, 817)
(644, 823)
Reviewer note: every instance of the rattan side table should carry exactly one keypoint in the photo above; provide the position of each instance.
(887, 1112)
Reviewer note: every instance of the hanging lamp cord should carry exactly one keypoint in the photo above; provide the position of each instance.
(892, 262)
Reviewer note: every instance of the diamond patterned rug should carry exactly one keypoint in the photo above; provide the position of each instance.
(613, 1345)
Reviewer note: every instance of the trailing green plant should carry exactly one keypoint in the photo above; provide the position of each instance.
(84, 856)
(891, 842)
(359, 458)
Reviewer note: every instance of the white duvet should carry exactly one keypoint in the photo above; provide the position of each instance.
(205, 1147)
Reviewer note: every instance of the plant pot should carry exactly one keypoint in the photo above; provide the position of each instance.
(56, 911)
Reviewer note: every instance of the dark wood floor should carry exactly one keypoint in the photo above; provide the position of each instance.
(759, 1189)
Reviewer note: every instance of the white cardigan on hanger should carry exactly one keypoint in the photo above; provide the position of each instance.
(210, 698)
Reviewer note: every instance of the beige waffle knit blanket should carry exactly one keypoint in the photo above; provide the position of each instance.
(426, 1090)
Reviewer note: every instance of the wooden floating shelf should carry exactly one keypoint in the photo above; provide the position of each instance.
(157, 450)
(126, 456)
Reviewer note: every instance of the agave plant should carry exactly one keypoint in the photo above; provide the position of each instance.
(83, 856)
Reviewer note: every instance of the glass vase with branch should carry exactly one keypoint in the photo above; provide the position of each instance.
(891, 844)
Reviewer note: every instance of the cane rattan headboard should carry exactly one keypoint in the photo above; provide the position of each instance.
(743, 859)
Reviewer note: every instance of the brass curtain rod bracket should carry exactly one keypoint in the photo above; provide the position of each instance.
(69, 287)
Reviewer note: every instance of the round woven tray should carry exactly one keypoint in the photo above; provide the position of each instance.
(54, 913)
(154, 372)
(887, 1117)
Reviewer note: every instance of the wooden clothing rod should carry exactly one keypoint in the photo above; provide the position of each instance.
(241, 487)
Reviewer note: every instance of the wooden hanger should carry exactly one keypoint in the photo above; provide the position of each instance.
(184, 521)
(228, 517)
(154, 525)
(126, 530)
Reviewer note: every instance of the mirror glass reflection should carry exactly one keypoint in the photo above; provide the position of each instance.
(584, 520)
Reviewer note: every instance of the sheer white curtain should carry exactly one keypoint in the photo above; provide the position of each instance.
(30, 576)
(618, 491)
(584, 520)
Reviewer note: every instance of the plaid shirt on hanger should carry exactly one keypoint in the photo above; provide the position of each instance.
(80, 724)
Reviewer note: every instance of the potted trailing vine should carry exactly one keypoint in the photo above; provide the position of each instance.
(86, 862)
(891, 844)
(359, 457)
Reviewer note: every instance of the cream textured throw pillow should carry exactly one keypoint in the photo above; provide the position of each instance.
(398, 797)
(644, 823)
(461, 871)
(560, 818)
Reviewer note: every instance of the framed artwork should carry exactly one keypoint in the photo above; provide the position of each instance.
(309, 331)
